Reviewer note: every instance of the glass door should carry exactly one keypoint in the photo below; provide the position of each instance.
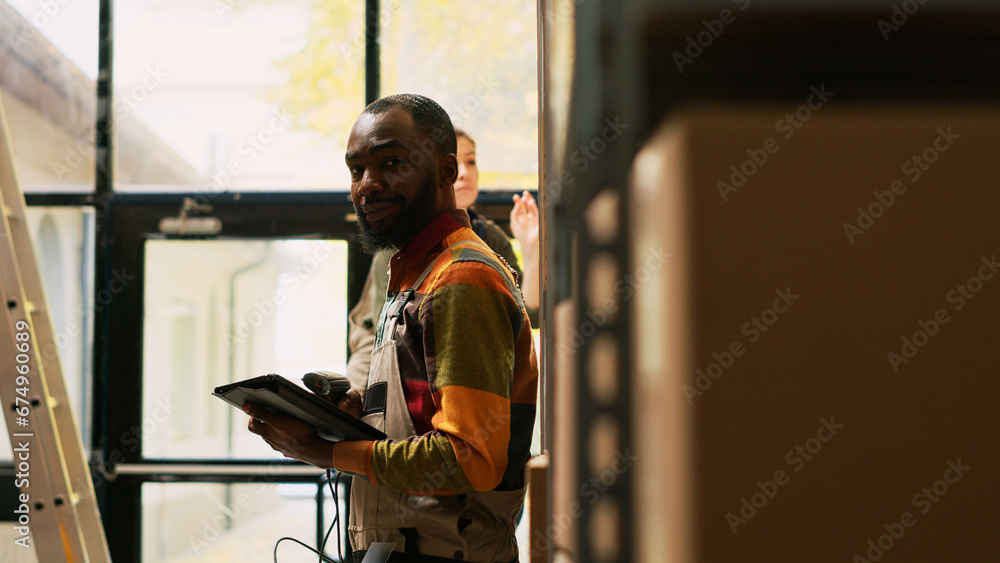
(180, 476)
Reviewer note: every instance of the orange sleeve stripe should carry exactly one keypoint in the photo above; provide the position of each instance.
(354, 457)
(477, 424)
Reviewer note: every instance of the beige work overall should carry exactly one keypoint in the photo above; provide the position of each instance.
(475, 526)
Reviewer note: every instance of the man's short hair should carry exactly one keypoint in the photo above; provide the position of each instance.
(430, 118)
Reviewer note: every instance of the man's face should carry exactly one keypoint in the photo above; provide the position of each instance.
(394, 179)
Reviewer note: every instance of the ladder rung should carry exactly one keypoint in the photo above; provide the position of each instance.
(10, 214)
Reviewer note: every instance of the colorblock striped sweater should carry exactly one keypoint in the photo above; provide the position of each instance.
(468, 368)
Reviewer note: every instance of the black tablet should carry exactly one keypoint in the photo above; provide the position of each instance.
(281, 395)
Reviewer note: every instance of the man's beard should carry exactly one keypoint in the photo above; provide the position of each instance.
(408, 222)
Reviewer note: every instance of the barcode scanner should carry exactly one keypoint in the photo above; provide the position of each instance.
(327, 384)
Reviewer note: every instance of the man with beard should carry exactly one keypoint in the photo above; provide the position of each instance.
(523, 222)
(453, 377)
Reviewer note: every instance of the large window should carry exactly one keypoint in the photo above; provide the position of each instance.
(48, 53)
(222, 95)
(224, 101)
(232, 96)
(478, 60)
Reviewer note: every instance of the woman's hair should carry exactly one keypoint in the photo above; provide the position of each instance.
(462, 133)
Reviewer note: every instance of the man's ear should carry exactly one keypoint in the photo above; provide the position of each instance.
(448, 171)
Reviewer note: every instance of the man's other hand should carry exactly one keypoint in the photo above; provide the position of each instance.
(351, 403)
(292, 437)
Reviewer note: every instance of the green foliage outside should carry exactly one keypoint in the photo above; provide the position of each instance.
(477, 59)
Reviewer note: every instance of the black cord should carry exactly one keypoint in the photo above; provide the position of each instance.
(333, 481)
(322, 557)
(336, 517)
(336, 507)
